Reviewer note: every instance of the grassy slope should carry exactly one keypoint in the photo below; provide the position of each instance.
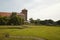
(50, 33)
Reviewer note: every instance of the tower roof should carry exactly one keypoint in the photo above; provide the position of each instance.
(24, 9)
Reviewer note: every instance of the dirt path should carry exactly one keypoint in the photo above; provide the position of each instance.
(34, 38)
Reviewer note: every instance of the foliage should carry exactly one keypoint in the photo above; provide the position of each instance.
(14, 19)
(44, 22)
(3, 20)
(37, 21)
(31, 20)
(58, 22)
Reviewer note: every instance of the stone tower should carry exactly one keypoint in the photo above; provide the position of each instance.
(24, 11)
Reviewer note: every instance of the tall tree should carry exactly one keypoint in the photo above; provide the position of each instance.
(31, 20)
(37, 21)
(15, 20)
(3, 20)
(58, 22)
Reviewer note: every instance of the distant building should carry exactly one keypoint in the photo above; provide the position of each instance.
(23, 14)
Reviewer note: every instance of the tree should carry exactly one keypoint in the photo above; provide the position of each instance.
(50, 22)
(47, 22)
(6, 19)
(42, 22)
(31, 20)
(15, 19)
(37, 21)
(58, 22)
(3, 20)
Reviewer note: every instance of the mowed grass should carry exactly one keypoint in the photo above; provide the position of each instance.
(46, 32)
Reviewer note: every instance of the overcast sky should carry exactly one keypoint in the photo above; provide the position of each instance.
(42, 9)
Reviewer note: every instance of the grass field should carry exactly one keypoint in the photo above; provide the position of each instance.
(47, 32)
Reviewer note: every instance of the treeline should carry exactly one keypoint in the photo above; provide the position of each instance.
(44, 22)
(11, 20)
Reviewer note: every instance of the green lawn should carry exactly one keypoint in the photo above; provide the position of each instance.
(48, 32)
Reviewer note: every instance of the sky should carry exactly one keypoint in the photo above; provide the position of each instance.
(37, 9)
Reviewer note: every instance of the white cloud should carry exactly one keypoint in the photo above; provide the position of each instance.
(46, 12)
